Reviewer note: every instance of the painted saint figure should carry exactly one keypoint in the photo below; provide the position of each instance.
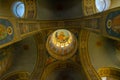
(3, 32)
(61, 36)
(116, 24)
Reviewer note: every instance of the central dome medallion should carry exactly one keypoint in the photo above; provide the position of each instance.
(61, 44)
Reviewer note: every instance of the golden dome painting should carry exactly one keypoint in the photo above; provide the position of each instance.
(61, 38)
(61, 44)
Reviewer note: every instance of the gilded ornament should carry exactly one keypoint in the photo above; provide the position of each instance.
(109, 24)
(9, 30)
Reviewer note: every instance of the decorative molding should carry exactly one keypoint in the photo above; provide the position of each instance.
(59, 65)
(113, 23)
(62, 53)
(30, 8)
(41, 57)
(18, 75)
(89, 7)
(109, 72)
(84, 56)
(11, 31)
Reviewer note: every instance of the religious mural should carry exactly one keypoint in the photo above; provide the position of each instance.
(6, 31)
(3, 32)
(113, 23)
(61, 44)
(62, 36)
(32, 56)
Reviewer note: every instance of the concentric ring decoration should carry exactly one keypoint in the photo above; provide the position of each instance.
(6, 31)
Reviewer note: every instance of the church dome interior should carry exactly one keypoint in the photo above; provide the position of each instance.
(61, 44)
(59, 40)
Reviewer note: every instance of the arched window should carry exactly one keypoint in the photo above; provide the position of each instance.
(18, 9)
(102, 5)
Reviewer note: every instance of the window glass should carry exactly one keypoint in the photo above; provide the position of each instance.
(102, 5)
(18, 9)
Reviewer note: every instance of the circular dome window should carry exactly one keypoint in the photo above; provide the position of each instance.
(61, 44)
(102, 5)
(18, 9)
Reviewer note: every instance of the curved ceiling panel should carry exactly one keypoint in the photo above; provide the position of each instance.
(59, 4)
(66, 70)
(103, 52)
(25, 56)
(58, 10)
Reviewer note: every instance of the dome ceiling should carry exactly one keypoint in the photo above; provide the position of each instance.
(65, 74)
(58, 5)
(61, 44)
(63, 70)
(59, 9)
